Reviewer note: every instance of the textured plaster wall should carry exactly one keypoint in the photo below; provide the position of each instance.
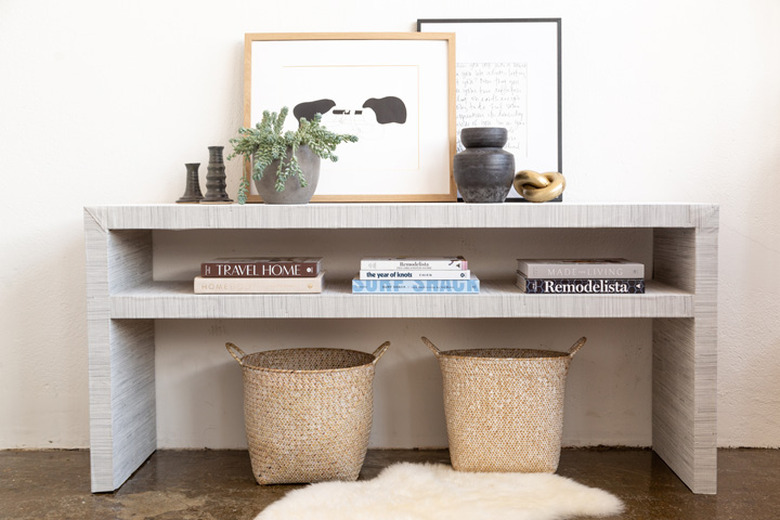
(103, 101)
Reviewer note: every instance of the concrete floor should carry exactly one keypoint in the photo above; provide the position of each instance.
(208, 485)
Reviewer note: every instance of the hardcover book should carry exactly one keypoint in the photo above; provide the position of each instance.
(259, 285)
(580, 285)
(416, 274)
(411, 263)
(581, 268)
(470, 286)
(261, 267)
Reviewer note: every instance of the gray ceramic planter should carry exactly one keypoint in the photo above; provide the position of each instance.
(293, 193)
(484, 171)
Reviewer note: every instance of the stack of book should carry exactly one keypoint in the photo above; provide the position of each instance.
(598, 276)
(438, 275)
(260, 275)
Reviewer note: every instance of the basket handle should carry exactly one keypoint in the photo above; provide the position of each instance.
(380, 350)
(431, 346)
(233, 349)
(577, 346)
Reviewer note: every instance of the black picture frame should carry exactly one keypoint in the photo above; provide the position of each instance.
(500, 43)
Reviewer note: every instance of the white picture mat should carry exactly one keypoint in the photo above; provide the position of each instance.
(389, 159)
(529, 45)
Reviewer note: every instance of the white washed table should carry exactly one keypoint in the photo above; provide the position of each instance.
(123, 300)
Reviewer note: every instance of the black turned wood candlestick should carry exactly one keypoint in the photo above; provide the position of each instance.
(192, 191)
(215, 178)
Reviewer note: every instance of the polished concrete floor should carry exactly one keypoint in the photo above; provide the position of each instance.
(206, 485)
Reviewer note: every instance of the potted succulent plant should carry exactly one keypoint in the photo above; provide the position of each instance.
(285, 164)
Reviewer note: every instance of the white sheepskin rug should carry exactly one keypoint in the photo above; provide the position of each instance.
(407, 491)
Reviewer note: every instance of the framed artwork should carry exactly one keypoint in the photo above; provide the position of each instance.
(509, 75)
(395, 91)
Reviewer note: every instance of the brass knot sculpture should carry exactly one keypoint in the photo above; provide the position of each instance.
(539, 187)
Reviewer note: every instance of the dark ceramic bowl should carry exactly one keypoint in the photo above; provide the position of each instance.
(482, 137)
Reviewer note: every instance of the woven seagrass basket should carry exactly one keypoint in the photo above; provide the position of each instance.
(504, 407)
(307, 412)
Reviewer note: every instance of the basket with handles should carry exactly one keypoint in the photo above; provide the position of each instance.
(504, 407)
(307, 411)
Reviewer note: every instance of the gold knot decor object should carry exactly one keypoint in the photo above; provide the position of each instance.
(539, 187)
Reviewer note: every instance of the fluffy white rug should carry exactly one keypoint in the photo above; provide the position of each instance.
(406, 491)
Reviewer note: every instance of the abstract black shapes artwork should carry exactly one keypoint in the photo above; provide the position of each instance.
(388, 109)
(307, 109)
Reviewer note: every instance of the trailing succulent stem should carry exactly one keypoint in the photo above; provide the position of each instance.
(267, 142)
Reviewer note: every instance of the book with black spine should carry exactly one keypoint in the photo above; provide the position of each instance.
(261, 267)
(580, 285)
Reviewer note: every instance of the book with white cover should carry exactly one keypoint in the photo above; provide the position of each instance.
(580, 268)
(413, 263)
(470, 286)
(416, 274)
(291, 285)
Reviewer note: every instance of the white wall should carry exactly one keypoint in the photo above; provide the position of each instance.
(104, 101)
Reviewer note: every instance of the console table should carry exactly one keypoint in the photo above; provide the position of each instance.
(124, 299)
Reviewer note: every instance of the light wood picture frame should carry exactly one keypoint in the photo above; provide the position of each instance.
(395, 91)
(509, 75)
